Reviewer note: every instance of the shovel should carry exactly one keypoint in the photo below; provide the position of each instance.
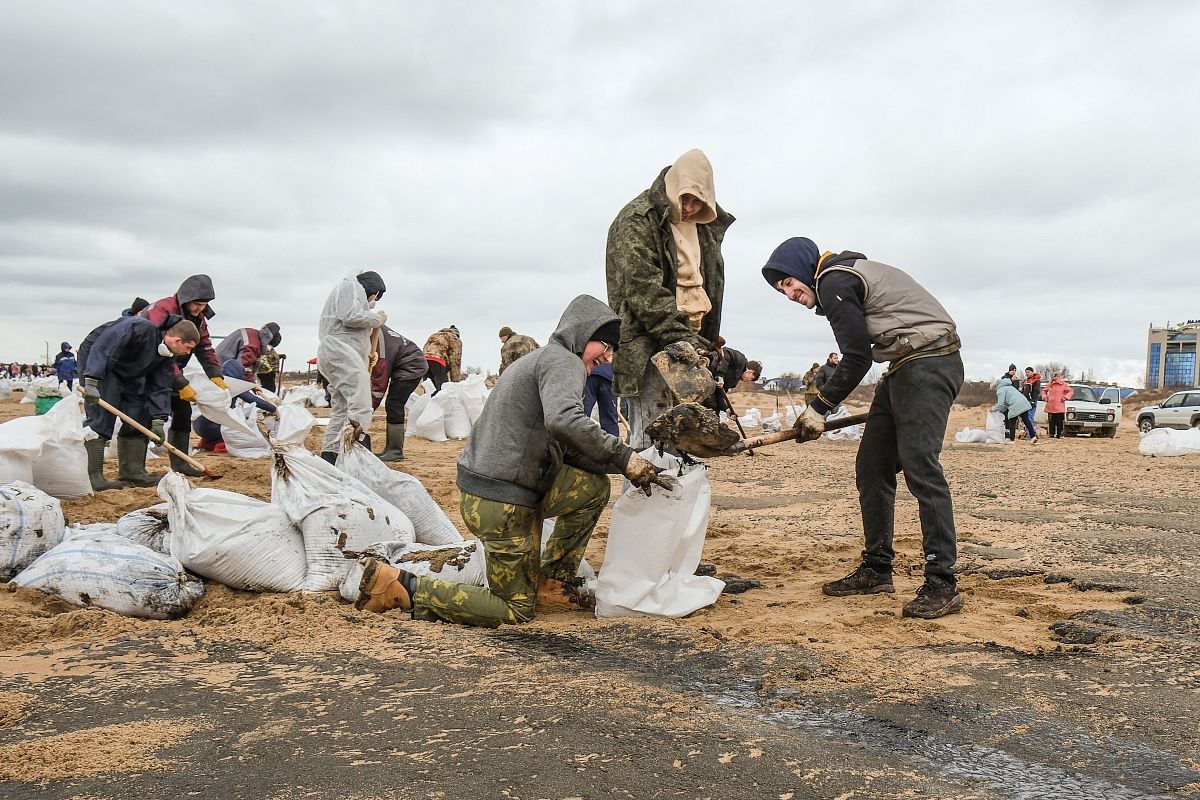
(693, 429)
(137, 426)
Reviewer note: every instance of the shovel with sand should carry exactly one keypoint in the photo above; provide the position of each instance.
(693, 429)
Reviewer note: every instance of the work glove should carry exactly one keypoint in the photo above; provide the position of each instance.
(91, 391)
(382, 315)
(187, 394)
(811, 425)
(372, 360)
(160, 433)
(682, 351)
(643, 474)
(219, 381)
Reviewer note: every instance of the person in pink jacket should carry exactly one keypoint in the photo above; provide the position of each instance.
(1056, 395)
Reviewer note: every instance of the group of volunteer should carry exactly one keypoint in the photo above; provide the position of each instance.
(534, 453)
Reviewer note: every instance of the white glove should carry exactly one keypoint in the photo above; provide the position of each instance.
(810, 424)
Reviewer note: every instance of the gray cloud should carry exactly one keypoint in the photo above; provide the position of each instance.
(1034, 165)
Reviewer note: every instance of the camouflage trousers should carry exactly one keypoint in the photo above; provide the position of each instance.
(511, 536)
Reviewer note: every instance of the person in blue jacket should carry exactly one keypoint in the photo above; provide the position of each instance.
(65, 367)
(1013, 405)
(131, 365)
(209, 431)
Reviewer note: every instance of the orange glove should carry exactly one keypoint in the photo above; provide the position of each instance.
(187, 394)
(219, 381)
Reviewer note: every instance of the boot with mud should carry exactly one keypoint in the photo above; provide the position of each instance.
(384, 587)
(554, 596)
(394, 447)
(936, 598)
(131, 462)
(863, 580)
(181, 439)
(95, 457)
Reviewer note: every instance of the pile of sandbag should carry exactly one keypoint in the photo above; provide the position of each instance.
(50, 386)
(751, 419)
(450, 413)
(654, 546)
(47, 451)
(1162, 442)
(149, 527)
(95, 566)
(306, 395)
(241, 443)
(992, 433)
(31, 522)
(6, 389)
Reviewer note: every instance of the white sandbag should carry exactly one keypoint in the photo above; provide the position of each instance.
(148, 527)
(473, 393)
(212, 402)
(654, 547)
(992, 434)
(338, 516)
(21, 441)
(100, 568)
(995, 424)
(431, 424)
(28, 398)
(49, 386)
(233, 539)
(294, 424)
(853, 433)
(1165, 442)
(31, 522)
(791, 413)
(430, 524)
(5, 389)
(61, 468)
(415, 407)
(751, 419)
(455, 420)
(772, 424)
(240, 444)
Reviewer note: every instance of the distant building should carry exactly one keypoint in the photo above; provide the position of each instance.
(1171, 355)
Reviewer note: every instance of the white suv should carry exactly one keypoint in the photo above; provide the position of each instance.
(1088, 413)
(1180, 410)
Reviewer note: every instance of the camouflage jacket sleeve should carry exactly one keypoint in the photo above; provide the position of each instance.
(454, 363)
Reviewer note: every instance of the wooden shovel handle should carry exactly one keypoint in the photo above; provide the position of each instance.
(792, 433)
(137, 426)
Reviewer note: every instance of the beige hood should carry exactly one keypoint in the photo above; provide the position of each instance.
(692, 174)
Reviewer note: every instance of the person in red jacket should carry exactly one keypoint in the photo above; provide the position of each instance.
(191, 302)
(247, 345)
(1056, 396)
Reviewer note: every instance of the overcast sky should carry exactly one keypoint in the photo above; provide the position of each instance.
(1036, 165)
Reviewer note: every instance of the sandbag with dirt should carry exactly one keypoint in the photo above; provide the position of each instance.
(31, 522)
(149, 527)
(337, 515)
(103, 569)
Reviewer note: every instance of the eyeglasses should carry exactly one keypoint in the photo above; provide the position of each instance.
(607, 348)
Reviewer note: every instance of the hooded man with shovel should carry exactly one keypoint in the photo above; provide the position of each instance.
(666, 280)
(533, 454)
(880, 313)
(131, 364)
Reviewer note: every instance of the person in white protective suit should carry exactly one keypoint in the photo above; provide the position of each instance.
(343, 354)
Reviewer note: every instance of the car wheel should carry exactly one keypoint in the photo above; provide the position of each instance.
(1146, 424)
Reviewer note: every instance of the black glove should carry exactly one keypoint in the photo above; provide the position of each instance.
(91, 391)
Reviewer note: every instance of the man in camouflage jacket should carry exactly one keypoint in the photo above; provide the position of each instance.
(443, 352)
(514, 345)
(641, 264)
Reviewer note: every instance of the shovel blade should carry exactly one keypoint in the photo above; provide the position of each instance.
(693, 429)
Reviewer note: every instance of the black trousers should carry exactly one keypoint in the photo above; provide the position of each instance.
(904, 433)
(181, 413)
(1056, 424)
(397, 396)
(267, 379)
(438, 374)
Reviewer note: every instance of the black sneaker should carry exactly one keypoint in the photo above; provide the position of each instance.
(863, 580)
(936, 598)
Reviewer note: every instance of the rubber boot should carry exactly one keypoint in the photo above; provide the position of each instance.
(131, 462)
(394, 447)
(95, 457)
(181, 439)
(329, 456)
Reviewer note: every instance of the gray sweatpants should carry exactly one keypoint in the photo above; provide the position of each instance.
(904, 432)
(653, 399)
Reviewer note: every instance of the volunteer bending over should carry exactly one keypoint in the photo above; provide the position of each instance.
(210, 431)
(533, 454)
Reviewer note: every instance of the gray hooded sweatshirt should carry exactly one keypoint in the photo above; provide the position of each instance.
(533, 421)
